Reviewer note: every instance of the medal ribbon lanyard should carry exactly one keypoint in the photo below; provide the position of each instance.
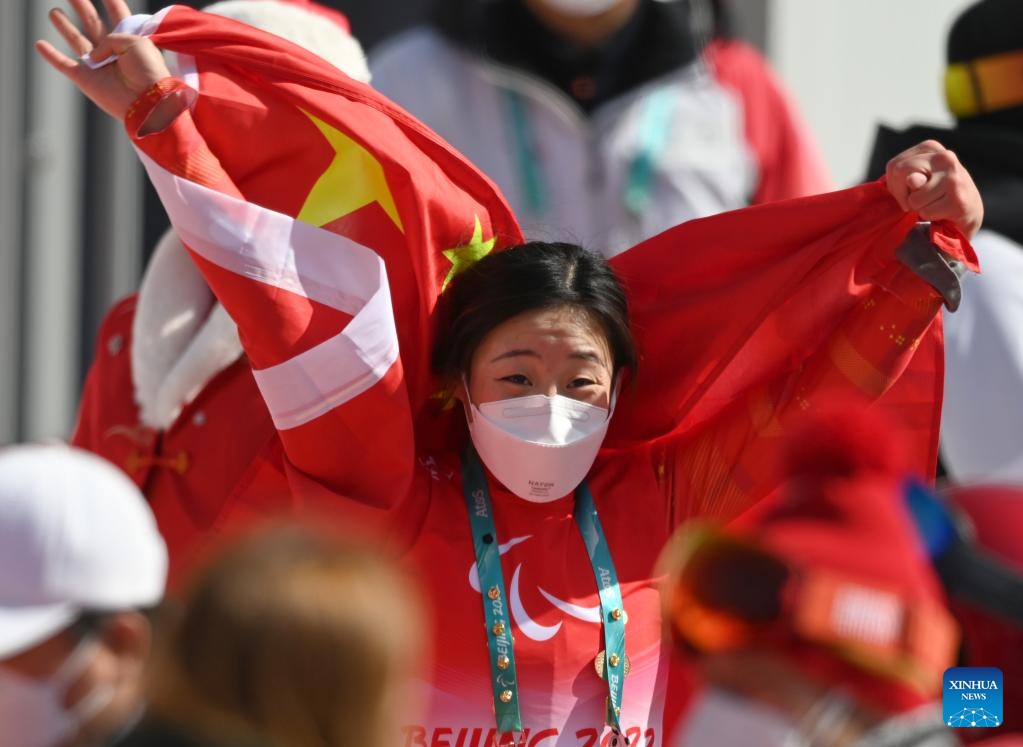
(495, 600)
(495, 605)
(612, 615)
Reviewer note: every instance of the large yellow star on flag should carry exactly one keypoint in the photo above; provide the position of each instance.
(353, 180)
(464, 257)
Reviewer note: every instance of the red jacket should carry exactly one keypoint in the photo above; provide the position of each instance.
(219, 465)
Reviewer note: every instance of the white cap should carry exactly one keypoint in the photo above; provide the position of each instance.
(76, 535)
(318, 29)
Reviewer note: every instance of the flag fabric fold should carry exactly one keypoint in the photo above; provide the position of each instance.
(733, 310)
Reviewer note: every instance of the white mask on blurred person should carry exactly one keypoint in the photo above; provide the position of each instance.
(581, 8)
(32, 712)
(720, 719)
(539, 447)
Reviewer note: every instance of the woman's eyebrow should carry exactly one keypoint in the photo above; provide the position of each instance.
(516, 353)
(585, 355)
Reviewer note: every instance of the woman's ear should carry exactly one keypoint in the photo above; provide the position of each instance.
(460, 391)
(619, 376)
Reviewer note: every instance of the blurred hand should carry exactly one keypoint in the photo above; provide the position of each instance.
(114, 87)
(929, 180)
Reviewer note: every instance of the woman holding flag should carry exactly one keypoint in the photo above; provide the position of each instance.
(380, 251)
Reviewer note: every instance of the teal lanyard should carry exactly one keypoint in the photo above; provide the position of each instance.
(654, 125)
(495, 601)
(525, 154)
(652, 137)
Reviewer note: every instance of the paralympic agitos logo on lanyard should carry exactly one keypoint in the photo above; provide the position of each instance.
(527, 625)
(972, 697)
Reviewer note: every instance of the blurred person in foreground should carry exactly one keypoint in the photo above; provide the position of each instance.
(291, 637)
(819, 620)
(990, 610)
(982, 418)
(81, 566)
(170, 397)
(604, 122)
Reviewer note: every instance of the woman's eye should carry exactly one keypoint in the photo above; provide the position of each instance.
(581, 382)
(516, 379)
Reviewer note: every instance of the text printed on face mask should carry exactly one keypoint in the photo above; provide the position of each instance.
(540, 488)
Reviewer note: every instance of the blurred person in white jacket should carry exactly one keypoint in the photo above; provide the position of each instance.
(604, 122)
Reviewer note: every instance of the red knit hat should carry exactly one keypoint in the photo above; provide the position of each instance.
(832, 574)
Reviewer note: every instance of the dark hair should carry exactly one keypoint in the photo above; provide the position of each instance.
(535, 275)
(293, 635)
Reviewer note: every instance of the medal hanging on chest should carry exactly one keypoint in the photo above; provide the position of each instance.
(611, 664)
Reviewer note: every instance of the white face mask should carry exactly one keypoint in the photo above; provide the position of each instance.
(581, 8)
(32, 712)
(721, 719)
(539, 447)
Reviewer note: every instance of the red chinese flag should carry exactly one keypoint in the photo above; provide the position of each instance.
(278, 140)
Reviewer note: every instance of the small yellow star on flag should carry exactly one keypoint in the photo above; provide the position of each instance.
(446, 397)
(464, 257)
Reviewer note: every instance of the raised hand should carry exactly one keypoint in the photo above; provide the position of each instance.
(929, 180)
(113, 87)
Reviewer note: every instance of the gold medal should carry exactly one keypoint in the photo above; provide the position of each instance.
(601, 661)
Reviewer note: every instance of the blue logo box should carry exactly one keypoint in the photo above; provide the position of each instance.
(972, 697)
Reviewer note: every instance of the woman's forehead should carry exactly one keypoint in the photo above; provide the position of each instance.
(559, 329)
